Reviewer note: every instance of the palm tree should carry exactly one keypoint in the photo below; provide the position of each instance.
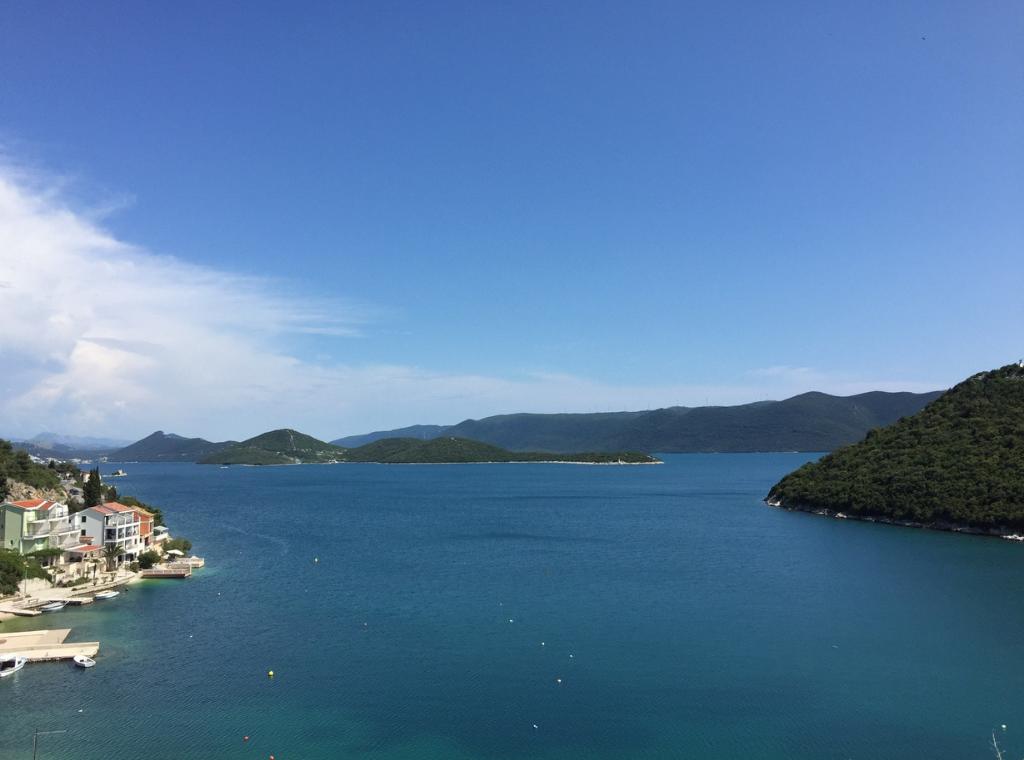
(111, 552)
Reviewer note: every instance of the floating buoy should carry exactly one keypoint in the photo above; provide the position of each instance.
(511, 620)
(245, 738)
(534, 725)
(316, 560)
(572, 656)
(558, 680)
(1004, 726)
(542, 643)
(270, 674)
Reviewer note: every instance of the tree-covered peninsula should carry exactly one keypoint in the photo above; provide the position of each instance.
(958, 464)
(451, 450)
(291, 447)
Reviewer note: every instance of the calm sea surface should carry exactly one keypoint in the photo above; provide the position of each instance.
(684, 618)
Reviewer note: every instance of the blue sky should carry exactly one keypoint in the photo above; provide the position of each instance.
(454, 209)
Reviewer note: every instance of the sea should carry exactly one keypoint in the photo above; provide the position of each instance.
(533, 611)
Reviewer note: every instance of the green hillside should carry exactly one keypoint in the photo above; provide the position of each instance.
(284, 446)
(958, 462)
(17, 465)
(449, 450)
(167, 447)
(291, 447)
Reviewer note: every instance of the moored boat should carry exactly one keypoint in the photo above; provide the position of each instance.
(53, 607)
(83, 662)
(106, 595)
(11, 663)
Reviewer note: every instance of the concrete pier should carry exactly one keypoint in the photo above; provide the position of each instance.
(50, 644)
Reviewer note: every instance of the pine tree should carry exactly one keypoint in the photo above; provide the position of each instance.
(92, 491)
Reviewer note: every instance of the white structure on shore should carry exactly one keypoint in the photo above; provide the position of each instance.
(112, 524)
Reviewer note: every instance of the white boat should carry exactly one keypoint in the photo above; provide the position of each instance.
(118, 474)
(11, 663)
(53, 607)
(106, 595)
(83, 662)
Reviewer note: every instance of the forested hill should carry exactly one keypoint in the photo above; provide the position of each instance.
(808, 422)
(449, 450)
(959, 462)
(291, 447)
(284, 446)
(167, 447)
(17, 466)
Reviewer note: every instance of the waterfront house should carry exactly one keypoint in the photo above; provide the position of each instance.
(145, 522)
(34, 524)
(111, 524)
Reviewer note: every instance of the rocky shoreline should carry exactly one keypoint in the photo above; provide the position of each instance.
(997, 532)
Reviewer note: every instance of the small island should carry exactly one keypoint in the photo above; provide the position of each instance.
(291, 447)
(958, 465)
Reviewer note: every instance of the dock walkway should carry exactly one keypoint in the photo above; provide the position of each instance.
(49, 644)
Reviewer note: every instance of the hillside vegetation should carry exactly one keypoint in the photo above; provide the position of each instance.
(451, 450)
(284, 446)
(808, 422)
(16, 465)
(958, 462)
(291, 447)
(168, 447)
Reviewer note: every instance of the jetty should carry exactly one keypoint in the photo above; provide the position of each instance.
(13, 609)
(179, 568)
(168, 571)
(45, 645)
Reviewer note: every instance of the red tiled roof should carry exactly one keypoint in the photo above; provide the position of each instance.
(32, 504)
(85, 549)
(112, 508)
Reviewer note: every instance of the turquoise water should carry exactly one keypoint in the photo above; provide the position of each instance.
(684, 618)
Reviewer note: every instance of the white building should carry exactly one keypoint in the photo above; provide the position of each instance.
(111, 524)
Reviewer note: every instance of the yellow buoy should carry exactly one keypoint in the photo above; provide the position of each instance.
(270, 673)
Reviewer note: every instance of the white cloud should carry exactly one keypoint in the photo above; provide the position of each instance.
(98, 337)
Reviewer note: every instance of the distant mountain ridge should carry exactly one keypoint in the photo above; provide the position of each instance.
(419, 432)
(808, 422)
(82, 442)
(60, 446)
(167, 447)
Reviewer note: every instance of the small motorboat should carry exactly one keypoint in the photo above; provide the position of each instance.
(53, 607)
(83, 662)
(11, 663)
(106, 595)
